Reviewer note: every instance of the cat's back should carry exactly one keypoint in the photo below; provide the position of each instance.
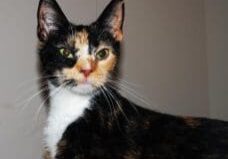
(173, 137)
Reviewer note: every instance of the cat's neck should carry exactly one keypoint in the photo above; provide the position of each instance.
(65, 108)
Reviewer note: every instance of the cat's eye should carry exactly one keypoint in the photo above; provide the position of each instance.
(102, 55)
(66, 53)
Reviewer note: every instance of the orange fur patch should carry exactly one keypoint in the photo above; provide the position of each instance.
(146, 124)
(100, 75)
(79, 39)
(132, 155)
(192, 122)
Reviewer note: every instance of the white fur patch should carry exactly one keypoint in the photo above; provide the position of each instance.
(66, 107)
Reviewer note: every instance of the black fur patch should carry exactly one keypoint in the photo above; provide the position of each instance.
(141, 134)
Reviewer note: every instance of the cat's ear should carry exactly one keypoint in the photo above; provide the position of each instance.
(51, 19)
(112, 19)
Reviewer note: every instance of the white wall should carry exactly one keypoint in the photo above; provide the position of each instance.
(164, 55)
(20, 135)
(217, 54)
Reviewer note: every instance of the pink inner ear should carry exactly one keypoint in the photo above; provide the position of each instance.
(116, 23)
(46, 22)
(42, 26)
(118, 35)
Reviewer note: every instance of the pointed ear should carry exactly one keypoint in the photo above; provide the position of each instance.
(112, 19)
(51, 19)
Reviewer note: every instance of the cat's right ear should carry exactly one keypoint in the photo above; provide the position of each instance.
(51, 19)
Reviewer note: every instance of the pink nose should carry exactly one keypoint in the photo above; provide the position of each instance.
(86, 72)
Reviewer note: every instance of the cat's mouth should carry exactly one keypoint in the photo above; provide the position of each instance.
(79, 83)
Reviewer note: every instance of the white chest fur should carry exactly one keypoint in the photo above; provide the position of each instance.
(66, 107)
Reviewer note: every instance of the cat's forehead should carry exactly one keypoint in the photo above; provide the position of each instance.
(84, 37)
(79, 39)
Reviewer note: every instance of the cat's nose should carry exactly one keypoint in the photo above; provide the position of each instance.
(86, 72)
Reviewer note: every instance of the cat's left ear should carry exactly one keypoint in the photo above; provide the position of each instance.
(51, 20)
(112, 19)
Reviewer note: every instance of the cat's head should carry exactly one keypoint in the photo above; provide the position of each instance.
(78, 57)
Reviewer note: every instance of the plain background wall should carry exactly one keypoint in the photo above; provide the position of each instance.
(165, 54)
(174, 56)
(217, 54)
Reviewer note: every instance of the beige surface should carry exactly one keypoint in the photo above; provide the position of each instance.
(165, 55)
(217, 54)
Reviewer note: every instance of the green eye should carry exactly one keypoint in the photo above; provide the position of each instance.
(66, 53)
(102, 55)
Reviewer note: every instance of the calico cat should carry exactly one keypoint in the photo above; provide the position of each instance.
(88, 118)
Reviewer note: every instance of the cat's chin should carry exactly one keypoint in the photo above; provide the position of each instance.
(83, 89)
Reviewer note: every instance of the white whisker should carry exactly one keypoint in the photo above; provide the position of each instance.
(26, 102)
(117, 102)
(110, 103)
(131, 92)
(37, 114)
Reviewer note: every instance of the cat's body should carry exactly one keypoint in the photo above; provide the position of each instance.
(88, 118)
(141, 134)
